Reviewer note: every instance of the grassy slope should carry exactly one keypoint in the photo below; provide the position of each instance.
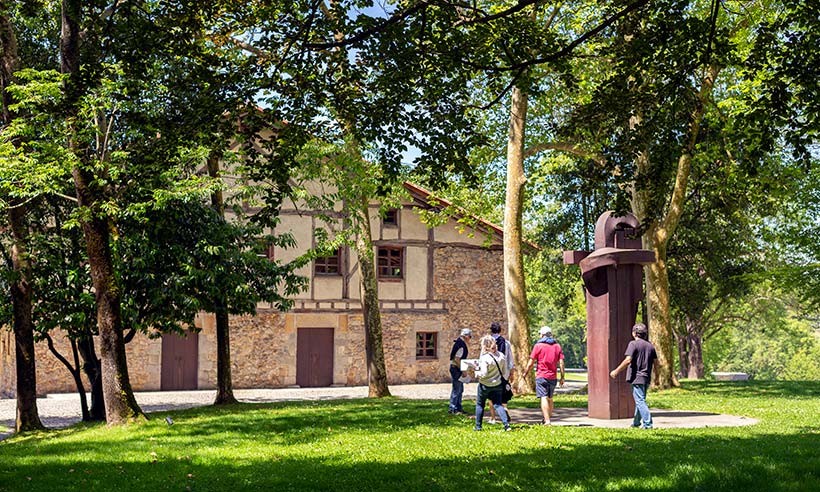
(412, 445)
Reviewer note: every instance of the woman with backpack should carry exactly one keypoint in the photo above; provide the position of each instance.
(492, 372)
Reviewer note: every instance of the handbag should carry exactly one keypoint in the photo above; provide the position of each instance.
(506, 387)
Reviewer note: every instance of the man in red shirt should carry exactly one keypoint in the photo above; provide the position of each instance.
(549, 356)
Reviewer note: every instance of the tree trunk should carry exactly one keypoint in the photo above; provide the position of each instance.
(93, 371)
(695, 355)
(515, 291)
(9, 61)
(660, 317)
(27, 417)
(683, 355)
(224, 382)
(74, 370)
(120, 404)
(23, 325)
(374, 347)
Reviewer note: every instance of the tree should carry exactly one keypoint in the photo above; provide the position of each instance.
(14, 196)
(353, 182)
(129, 71)
(713, 255)
(652, 104)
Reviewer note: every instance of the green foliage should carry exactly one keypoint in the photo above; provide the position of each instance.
(33, 159)
(390, 443)
(556, 299)
(763, 341)
(804, 365)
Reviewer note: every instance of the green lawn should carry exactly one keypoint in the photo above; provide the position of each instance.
(404, 445)
(576, 376)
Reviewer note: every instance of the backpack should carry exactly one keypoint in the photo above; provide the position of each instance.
(501, 344)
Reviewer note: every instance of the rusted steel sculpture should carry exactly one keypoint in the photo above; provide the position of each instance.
(612, 275)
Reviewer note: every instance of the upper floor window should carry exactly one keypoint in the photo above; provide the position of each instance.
(390, 263)
(391, 218)
(426, 345)
(328, 265)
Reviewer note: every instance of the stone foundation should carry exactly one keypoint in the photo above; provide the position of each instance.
(467, 291)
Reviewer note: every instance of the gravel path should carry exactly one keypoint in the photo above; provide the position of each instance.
(62, 410)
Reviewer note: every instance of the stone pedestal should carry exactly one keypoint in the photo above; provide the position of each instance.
(613, 279)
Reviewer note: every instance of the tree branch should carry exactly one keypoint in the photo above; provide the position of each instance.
(567, 147)
(500, 95)
(521, 5)
(394, 19)
(566, 50)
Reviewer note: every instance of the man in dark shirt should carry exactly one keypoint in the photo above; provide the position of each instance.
(458, 352)
(641, 359)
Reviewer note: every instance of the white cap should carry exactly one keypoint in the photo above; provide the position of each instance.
(545, 330)
(466, 332)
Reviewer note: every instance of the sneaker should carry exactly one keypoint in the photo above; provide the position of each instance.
(476, 428)
(492, 421)
(507, 428)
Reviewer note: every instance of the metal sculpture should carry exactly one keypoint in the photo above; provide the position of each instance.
(613, 278)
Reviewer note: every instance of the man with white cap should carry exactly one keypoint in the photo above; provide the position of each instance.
(549, 357)
(458, 352)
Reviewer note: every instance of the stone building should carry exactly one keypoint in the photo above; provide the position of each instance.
(432, 282)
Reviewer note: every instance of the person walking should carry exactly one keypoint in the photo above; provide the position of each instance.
(640, 360)
(490, 368)
(505, 348)
(548, 357)
(458, 352)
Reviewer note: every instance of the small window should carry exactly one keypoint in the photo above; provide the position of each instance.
(268, 253)
(328, 265)
(390, 263)
(426, 344)
(391, 218)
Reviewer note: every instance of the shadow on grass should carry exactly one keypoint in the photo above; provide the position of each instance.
(614, 461)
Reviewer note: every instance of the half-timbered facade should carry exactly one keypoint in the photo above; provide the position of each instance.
(432, 282)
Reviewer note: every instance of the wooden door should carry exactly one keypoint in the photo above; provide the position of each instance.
(180, 363)
(314, 357)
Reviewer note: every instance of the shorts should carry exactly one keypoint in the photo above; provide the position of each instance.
(544, 388)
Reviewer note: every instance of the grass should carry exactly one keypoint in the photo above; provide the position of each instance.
(576, 376)
(406, 445)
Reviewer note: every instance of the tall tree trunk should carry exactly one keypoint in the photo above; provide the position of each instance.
(27, 417)
(515, 291)
(660, 316)
(695, 355)
(224, 382)
(374, 347)
(683, 355)
(120, 404)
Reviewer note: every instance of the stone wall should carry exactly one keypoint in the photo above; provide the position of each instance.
(8, 374)
(472, 283)
(143, 355)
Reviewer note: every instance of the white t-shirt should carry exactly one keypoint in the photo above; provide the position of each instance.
(487, 372)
